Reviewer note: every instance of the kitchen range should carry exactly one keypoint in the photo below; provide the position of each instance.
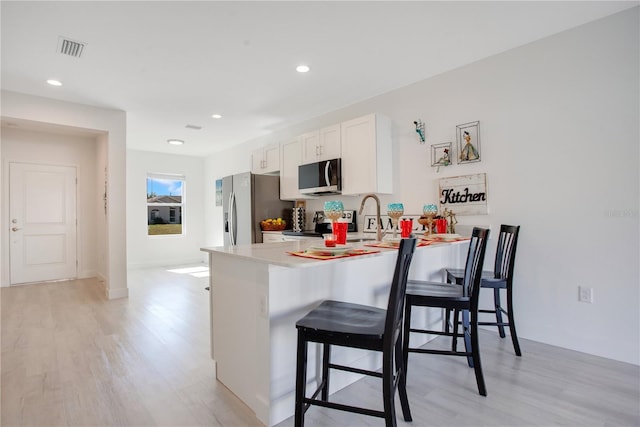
(322, 225)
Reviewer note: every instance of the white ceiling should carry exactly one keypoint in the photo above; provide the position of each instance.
(169, 64)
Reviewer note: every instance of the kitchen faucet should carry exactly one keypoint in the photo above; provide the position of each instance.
(378, 226)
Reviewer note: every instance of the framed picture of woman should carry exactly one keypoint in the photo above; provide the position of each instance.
(441, 154)
(468, 136)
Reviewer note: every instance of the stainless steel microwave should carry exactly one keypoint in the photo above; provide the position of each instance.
(320, 178)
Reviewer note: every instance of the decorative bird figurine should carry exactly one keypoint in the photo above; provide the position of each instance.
(420, 130)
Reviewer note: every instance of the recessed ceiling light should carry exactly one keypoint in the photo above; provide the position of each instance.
(175, 141)
(53, 82)
(302, 68)
(216, 116)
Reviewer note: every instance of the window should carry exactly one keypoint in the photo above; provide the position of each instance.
(165, 200)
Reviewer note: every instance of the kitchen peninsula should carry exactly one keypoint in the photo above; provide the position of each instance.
(259, 291)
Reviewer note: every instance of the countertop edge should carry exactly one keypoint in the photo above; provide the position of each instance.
(276, 253)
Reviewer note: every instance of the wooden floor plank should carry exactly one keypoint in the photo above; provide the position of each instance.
(71, 357)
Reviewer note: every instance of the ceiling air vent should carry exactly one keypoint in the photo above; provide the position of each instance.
(70, 47)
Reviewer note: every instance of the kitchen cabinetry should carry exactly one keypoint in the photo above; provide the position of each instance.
(323, 144)
(290, 158)
(277, 236)
(266, 159)
(272, 236)
(366, 149)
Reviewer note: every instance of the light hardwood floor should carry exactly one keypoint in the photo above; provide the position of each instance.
(70, 357)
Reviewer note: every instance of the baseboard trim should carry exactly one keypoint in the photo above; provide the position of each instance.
(87, 274)
(165, 263)
(117, 293)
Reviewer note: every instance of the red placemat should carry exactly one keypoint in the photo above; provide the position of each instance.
(321, 256)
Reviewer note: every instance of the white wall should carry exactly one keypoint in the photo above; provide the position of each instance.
(560, 146)
(143, 250)
(100, 207)
(63, 150)
(43, 112)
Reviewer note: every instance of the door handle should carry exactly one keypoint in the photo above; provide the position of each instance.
(15, 229)
(229, 223)
(232, 218)
(327, 173)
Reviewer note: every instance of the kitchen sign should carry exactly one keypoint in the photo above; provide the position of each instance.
(464, 195)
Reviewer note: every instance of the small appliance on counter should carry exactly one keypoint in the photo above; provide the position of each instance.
(297, 219)
(323, 225)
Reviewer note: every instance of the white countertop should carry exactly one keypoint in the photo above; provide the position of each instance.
(276, 253)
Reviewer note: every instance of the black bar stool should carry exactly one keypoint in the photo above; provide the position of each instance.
(449, 296)
(358, 326)
(500, 278)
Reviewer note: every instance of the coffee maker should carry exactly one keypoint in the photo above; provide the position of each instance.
(323, 225)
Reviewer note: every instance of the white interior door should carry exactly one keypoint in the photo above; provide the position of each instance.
(42, 215)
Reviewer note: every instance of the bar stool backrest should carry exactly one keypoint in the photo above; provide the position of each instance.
(473, 264)
(506, 252)
(395, 306)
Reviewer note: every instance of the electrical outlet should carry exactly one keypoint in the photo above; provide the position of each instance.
(585, 294)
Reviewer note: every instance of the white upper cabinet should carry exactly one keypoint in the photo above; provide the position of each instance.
(367, 155)
(291, 156)
(266, 159)
(323, 144)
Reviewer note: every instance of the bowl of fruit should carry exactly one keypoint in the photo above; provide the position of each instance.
(273, 224)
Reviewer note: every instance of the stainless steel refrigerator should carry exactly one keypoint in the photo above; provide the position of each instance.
(247, 199)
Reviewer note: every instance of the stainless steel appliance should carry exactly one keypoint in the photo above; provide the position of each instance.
(323, 225)
(247, 200)
(323, 177)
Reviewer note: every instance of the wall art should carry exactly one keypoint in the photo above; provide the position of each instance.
(441, 154)
(468, 136)
(218, 192)
(420, 130)
(464, 195)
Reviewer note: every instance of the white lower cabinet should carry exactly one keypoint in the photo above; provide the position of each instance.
(272, 236)
(277, 236)
(367, 155)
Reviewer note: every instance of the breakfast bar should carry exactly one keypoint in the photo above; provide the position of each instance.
(259, 291)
